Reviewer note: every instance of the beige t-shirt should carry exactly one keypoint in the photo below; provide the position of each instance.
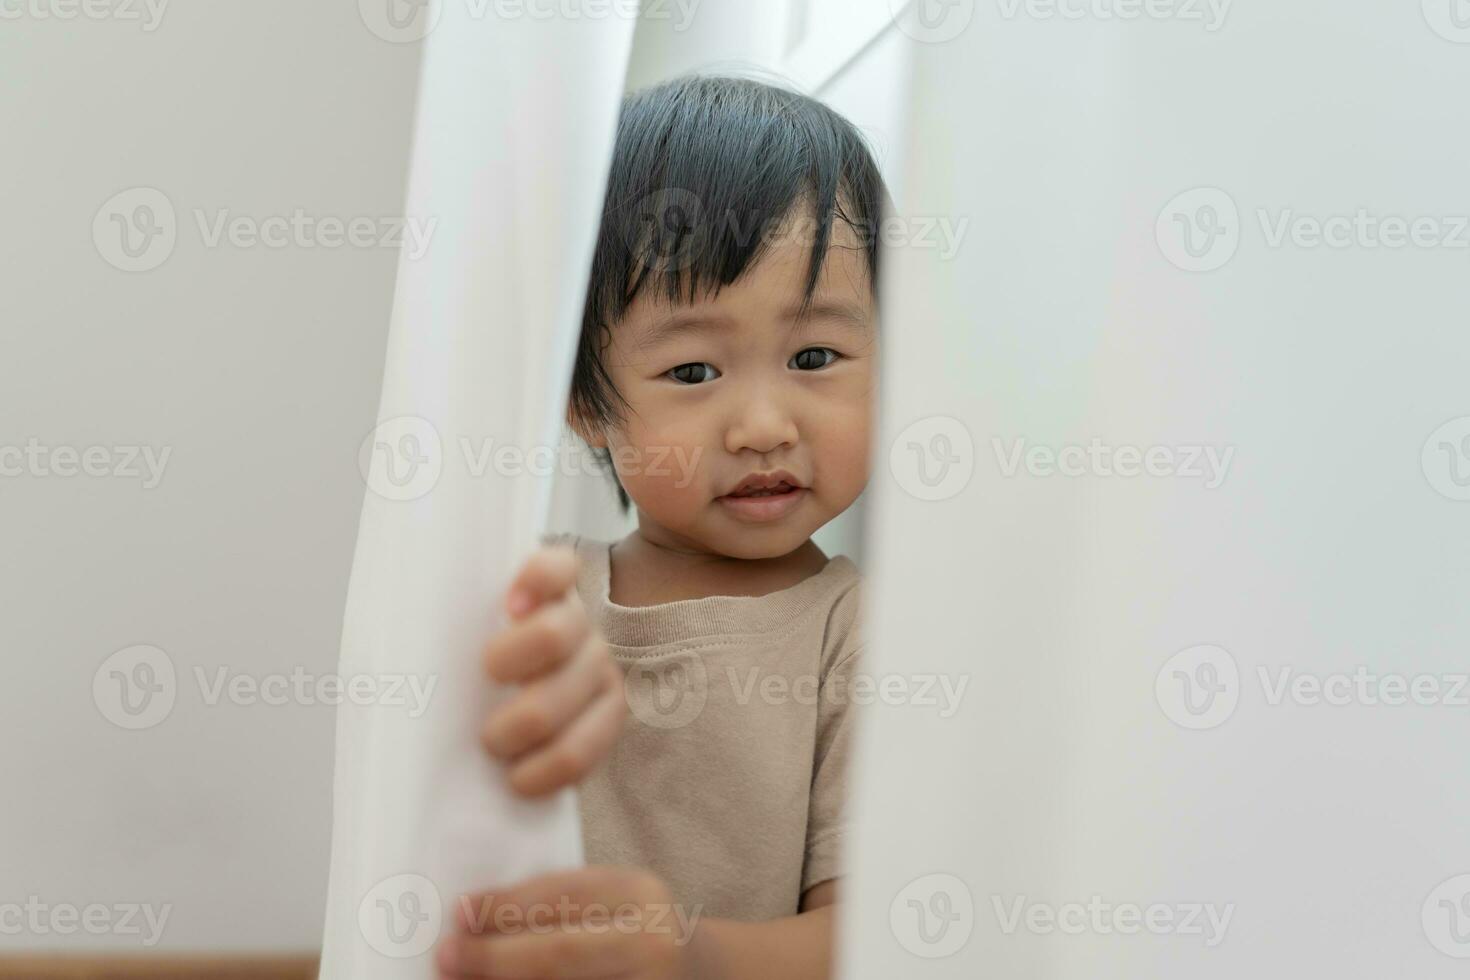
(728, 780)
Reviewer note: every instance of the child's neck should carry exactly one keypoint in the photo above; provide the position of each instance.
(646, 572)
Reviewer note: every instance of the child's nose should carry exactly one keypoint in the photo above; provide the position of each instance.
(761, 424)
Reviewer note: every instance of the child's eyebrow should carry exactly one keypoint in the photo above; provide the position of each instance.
(665, 330)
(848, 314)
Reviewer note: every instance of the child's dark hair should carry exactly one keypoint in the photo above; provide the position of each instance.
(705, 169)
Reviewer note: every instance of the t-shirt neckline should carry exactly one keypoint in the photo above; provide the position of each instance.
(684, 620)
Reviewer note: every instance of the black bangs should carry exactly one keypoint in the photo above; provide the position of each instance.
(707, 172)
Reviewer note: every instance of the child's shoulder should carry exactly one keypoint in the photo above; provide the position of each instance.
(845, 616)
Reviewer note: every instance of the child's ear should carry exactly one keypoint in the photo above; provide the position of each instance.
(591, 435)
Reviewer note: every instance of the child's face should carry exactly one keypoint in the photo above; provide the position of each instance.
(734, 387)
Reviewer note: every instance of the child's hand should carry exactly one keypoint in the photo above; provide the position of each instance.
(598, 921)
(565, 720)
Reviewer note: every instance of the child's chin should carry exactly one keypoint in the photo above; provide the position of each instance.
(753, 542)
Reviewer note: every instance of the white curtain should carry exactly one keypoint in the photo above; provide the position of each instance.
(509, 165)
(1146, 267)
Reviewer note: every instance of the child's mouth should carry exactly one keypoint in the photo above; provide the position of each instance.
(780, 488)
(763, 504)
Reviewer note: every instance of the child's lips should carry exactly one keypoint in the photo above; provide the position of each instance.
(765, 508)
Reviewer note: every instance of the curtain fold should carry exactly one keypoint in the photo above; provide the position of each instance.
(1171, 486)
(508, 171)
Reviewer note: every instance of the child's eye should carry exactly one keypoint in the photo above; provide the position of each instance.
(693, 373)
(814, 358)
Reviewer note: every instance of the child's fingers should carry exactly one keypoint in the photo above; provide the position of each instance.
(580, 916)
(485, 911)
(547, 705)
(538, 643)
(507, 908)
(548, 574)
(572, 950)
(576, 751)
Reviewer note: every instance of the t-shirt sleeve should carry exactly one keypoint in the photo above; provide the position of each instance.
(836, 732)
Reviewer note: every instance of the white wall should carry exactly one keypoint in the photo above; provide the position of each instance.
(258, 369)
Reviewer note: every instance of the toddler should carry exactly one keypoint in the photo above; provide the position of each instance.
(726, 372)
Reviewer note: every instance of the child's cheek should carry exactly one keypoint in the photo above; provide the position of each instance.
(665, 472)
(845, 451)
(662, 499)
